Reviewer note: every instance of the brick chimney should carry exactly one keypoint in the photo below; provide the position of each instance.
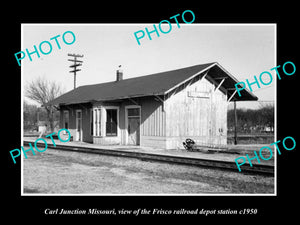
(119, 74)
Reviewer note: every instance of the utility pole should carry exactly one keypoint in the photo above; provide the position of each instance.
(235, 124)
(75, 65)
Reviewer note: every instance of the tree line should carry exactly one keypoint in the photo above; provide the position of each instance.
(259, 120)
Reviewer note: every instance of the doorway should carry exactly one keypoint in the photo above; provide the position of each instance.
(133, 122)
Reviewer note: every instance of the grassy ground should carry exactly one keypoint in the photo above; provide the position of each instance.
(60, 172)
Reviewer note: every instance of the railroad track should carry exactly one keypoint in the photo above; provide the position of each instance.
(216, 164)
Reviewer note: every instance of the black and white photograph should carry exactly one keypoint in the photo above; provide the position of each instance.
(149, 111)
(158, 115)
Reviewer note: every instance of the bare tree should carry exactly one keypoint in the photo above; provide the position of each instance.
(43, 91)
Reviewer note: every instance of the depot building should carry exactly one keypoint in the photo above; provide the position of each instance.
(158, 110)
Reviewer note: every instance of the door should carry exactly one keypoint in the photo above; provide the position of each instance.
(133, 126)
(78, 125)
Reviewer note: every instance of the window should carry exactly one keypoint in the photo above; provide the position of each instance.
(66, 120)
(111, 122)
(96, 122)
(99, 127)
(134, 112)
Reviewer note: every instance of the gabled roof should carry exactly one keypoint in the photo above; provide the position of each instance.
(149, 85)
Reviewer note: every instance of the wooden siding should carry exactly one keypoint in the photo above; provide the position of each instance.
(153, 142)
(196, 111)
(153, 117)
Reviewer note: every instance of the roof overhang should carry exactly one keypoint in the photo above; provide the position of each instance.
(213, 72)
(229, 84)
(224, 81)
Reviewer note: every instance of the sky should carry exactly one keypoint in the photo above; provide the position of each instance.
(244, 50)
